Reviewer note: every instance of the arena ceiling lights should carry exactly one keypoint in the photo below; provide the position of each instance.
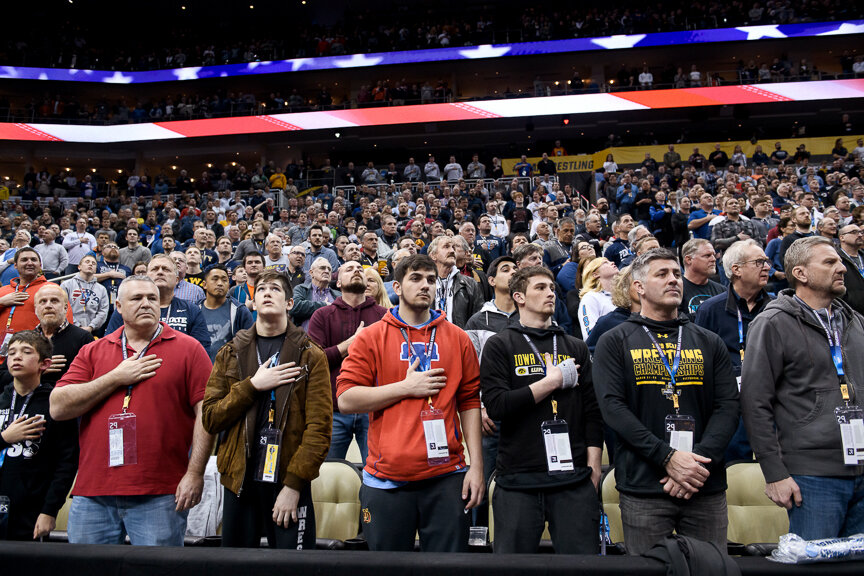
(619, 42)
(478, 110)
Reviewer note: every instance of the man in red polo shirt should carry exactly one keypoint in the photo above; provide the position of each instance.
(138, 392)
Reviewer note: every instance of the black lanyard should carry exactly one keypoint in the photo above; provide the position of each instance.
(12, 415)
(540, 356)
(274, 361)
(141, 354)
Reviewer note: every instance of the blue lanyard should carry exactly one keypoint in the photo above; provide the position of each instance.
(540, 356)
(834, 343)
(740, 331)
(673, 370)
(426, 349)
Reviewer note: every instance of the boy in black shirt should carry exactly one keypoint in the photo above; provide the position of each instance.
(38, 456)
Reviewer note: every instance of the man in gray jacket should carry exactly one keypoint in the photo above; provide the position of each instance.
(801, 373)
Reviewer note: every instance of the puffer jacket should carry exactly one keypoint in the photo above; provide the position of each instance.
(304, 409)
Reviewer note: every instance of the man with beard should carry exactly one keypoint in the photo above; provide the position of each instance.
(803, 225)
(110, 273)
(850, 250)
(224, 316)
(334, 328)
(493, 247)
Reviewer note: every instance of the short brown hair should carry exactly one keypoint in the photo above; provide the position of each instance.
(519, 280)
(271, 276)
(412, 264)
(35, 339)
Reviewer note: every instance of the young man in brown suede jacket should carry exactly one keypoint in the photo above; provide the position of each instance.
(269, 394)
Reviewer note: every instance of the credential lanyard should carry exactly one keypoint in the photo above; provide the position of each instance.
(740, 335)
(835, 344)
(543, 363)
(12, 415)
(424, 355)
(672, 370)
(273, 361)
(12, 309)
(141, 354)
(540, 356)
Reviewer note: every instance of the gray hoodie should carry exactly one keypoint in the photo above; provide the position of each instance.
(790, 387)
(88, 301)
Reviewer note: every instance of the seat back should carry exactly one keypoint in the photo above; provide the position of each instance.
(612, 506)
(753, 517)
(336, 497)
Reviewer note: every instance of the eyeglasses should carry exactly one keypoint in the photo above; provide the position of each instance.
(759, 262)
(857, 232)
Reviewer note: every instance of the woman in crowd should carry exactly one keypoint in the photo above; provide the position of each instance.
(596, 294)
(375, 288)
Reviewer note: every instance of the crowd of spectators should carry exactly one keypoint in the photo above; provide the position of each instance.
(380, 29)
(214, 261)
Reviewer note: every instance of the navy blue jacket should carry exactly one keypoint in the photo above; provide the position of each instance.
(184, 317)
(718, 314)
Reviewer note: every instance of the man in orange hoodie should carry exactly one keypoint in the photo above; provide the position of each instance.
(17, 310)
(416, 477)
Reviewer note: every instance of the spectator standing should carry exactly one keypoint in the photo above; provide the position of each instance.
(412, 484)
(66, 339)
(179, 314)
(143, 486)
(700, 264)
(794, 390)
(312, 295)
(55, 259)
(851, 250)
(555, 394)
(78, 243)
(334, 328)
(87, 298)
(667, 481)
(224, 316)
(272, 379)
(457, 296)
(39, 456)
(133, 252)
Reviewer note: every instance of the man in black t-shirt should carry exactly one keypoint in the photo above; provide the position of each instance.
(700, 264)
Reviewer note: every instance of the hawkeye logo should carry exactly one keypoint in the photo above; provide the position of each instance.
(367, 516)
(527, 364)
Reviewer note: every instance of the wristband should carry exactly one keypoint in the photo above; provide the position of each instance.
(569, 373)
(669, 456)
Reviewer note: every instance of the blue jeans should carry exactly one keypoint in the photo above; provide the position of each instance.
(345, 428)
(147, 520)
(830, 507)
